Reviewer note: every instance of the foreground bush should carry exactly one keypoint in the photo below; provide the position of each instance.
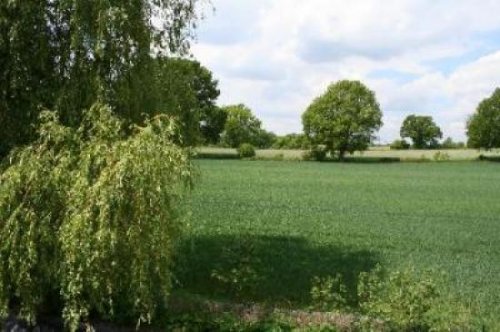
(89, 218)
(408, 300)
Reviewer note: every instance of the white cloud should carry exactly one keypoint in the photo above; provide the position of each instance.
(277, 55)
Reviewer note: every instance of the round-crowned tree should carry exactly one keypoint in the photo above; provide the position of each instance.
(241, 126)
(483, 128)
(343, 119)
(422, 131)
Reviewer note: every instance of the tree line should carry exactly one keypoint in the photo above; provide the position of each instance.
(346, 118)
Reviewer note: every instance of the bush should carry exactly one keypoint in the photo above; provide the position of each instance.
(441, 156)
(317, 152)
(89, 219)
(411, 301)
(239, 273)
(246, 151)
(400, 145)
(328, 293)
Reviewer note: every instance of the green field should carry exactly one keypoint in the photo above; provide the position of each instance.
(309, 219)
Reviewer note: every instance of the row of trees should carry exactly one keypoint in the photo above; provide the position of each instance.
(345, 119)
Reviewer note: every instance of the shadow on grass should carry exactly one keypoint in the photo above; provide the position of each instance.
(217, 156)
(284, 266)
(489, 158)
(364, 160)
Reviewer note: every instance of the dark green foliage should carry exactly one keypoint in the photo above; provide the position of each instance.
(239, 268)
(422, 131)
(246, 150)
(66, 54)
(372, 160)
(328, 293)
(212, 124)
(483, 128)
(89, 219)
(400, 144)
(292, 142)
(264, 139)
(449, 144)
(317, 152)
(343, 119)
(188, 91)
(243, 127)
(217, 155)
(489, 158)
(411, 300)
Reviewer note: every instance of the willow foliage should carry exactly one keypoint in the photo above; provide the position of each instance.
(66, 54)
(89, 218)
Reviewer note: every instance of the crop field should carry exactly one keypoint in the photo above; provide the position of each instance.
(306, 219)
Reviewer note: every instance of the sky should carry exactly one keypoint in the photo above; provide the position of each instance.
(426, 57)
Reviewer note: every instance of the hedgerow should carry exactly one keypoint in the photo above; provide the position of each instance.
(89, 219)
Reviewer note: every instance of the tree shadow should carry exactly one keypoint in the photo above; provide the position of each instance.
(284, 267)
(364, 160)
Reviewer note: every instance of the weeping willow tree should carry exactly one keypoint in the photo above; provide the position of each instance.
(66, 54)
(89, 219)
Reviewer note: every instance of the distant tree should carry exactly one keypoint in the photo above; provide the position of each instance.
(188, 91)
(292, 142)
(400, 144)
(343, 119)
(483, 128)
(422, 131)
(212, 124)
(264, 139)
(241, 126)
(448, 143)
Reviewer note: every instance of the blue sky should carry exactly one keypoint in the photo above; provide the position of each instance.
(436, 58)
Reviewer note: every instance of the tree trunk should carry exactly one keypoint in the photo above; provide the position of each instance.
(342, 155)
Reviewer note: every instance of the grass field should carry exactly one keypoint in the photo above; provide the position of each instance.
(309, 219)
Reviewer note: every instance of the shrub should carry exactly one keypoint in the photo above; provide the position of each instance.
(441, 156)
(328, 293)
(400, 145)
(317, 152)
(410, 301)
(238, 266)
(90, 217)
(246, 150)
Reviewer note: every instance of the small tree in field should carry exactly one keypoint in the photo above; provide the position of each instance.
(241, 126)
(483, 128)
(89, 218)
(422, 131)
(343, 119)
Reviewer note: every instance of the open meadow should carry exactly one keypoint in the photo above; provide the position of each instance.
(307, 219)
